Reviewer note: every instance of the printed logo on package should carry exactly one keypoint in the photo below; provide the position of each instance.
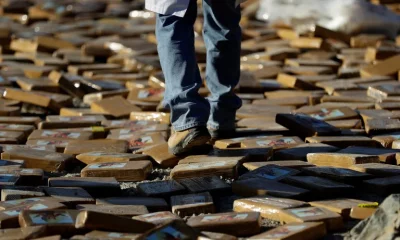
(228, 217)
(78, 118)
(16, 212)
(24, 201)
(7, 178)
(167, 233)
(51, 218)
(284, 231)
(271, 202)
(140, 141)
(152, 217)
(307, 212)
(193, 199)
(316, 123)
(276, 142)
(205, 164)
(272, 173)
(107, 165)
(52, 134)
(52, 142)
(325, 114)
(146, 93)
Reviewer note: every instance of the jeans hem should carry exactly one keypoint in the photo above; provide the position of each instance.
(188, 126)
(227, 127)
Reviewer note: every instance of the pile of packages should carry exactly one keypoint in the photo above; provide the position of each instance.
(83, 135)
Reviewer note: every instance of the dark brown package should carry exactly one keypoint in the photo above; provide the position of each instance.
(152, 204)
(377, 169)
(337, 174)
(212, 184)
(8, 194)
(342, 141)
(165, 188)
(319, 186)
(270, 172)
(108, 222)
(305, 126)
(300, 152)
(383, 186)
(96, 187)
(259, 187)
(187, 205)
(295, 164)
(70, 196)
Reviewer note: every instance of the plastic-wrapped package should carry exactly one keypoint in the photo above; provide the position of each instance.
(348, 16)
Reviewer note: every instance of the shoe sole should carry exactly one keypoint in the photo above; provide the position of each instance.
(189, 144)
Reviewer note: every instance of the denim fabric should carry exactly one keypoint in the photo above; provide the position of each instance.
(222, 37)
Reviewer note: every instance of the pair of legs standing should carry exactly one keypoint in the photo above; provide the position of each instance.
(191, 113)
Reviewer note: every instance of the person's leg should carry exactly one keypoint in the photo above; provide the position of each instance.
(189, 111)
(222, 36)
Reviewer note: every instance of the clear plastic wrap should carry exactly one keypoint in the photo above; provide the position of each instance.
(348, 16)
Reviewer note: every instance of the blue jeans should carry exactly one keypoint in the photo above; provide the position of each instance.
(222, 37)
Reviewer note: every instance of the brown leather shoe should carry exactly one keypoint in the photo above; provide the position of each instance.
(186, 141)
